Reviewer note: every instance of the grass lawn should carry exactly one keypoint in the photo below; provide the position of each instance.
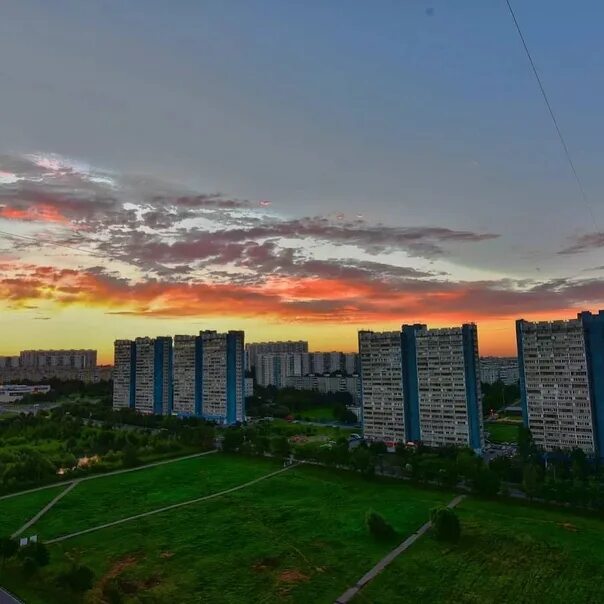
(317, 414)
(16, 511)
(502, 433)
(296, 537)
(106, 499)
(508, 553)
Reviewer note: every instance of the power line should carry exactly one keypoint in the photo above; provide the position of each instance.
(61, 245)
(552, 114)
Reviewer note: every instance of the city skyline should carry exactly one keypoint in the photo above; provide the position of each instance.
(154, 191)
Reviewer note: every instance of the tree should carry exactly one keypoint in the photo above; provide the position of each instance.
(526, 445)
(530, 479)
(78, 578)
(8, 548)
(486, 482)
(445, 524)
(379, 527)
(363, 460)
(130, 456)
(233, 439)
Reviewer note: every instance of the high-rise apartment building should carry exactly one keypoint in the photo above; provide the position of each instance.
(187, 375)
(382, 398)
(124, 374)
(153, 383)
(562, 381)
(198, 375)
(222, 388)
(423, 385)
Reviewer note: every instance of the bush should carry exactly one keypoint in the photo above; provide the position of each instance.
(78, 578)
(38, 552)
(379, 527)
(445, 524)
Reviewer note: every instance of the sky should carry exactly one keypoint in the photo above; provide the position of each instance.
(296, 169)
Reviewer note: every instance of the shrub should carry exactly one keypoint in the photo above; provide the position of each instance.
(379, 527)
(445, 524)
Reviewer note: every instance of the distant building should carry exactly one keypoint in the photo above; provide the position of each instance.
(562, 381)
(254, 348)
(71, 359)
(40, 365)
(10, 362)
(11, 393)
(351, 363)
(249, 387)
(326, 384)
(499, 369)
(422, 385)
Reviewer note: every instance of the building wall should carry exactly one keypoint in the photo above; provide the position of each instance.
(555, 384)
(443, 398)
(144, 391)
(124, 374)
(382, 385)
(185, 375)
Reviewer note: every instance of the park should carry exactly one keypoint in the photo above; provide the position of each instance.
(219, 527)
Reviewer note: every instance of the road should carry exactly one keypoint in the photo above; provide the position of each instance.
(350, 593)
(171, 507)
(8, 598)
(115, 472)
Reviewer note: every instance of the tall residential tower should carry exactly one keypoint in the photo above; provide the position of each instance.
(562, 381)
(423, 385)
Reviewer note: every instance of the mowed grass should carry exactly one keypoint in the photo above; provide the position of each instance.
(508, 553)
(502, 433)
(299, 536)
(16, 511)
(110, 498)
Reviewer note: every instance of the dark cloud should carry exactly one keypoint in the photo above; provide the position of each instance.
(585, 243)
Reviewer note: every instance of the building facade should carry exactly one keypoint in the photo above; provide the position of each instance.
(562, 382)
(124, 374)
(153, 381)
(381, 359)
(422, 385)
(222, 388)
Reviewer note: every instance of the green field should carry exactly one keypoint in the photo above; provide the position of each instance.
(16, 511)
(295, 537)
(508, 553)
(502, 433)
(298, 536)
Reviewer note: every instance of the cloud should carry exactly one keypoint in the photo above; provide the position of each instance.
(585, 243)
(158, 227)
(301, 299)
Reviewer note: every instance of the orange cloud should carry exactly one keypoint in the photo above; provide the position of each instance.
(34, 213)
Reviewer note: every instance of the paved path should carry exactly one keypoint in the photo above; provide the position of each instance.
(170, 507)
(44, 509)
(8, 598)
(94, 476)
(350, 593)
